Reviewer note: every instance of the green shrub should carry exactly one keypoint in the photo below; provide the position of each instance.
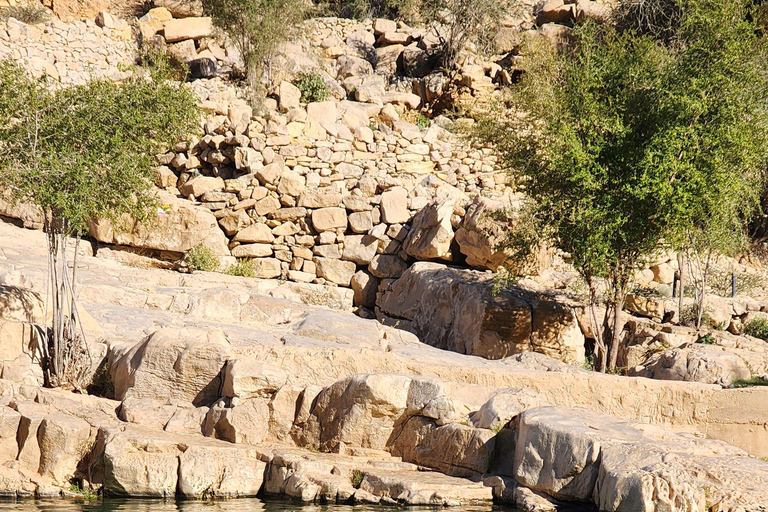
(754, 381)
(313, 87)
(357, 478)
(201, 258)
(161, 65)
(746, 282)
(707, 339)
(243, 268)
(757, 328)
(422, 122)
(31, 13)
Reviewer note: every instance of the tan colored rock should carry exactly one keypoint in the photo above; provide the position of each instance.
(202, 184)
(244, 423)
(453, 449)
(387, 266)
(325, 219)
(289, 96)
(480, 236)
(30, 215)
(365, 287)
(583, 455)
(139, 463)
(360, 248)
(245, 378)
(179, 226)
(382, 26)
(352, 66)
(252, 251)
(182, 8)
(554, 11)
(506, 404)
(271, 172)
(458, 310)
(291, 183)
(709, 364)
(233, 221)
(267, 268)
(167, 365)
(336, 271)
(187, 28)
(362, 410)
(394, 206)
(63, 442)
(431, 233)
(20, 304)
(255, 233)
(220, 471)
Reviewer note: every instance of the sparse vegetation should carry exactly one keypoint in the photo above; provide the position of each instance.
(357, 478)
(422, 122)
(754, 381)
(312, 87)
(76, 486)
(707, 339)
(406, 10)
(746, 282)
(201, 258)
(462, 21)
(102, 384)
(257, 28)
(29, 12)
(757, 328)
(161, 64)
(243, 268)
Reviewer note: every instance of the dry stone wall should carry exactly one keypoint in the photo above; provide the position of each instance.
(70, 53)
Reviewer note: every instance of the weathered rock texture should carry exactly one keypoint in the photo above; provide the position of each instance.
(211, 372)
(460, 310)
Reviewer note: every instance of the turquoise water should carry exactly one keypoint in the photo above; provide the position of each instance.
(238, 505)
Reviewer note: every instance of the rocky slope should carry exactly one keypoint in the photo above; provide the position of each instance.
(218, 382)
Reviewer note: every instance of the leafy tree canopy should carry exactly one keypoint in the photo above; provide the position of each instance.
(86, 151)
(624, 140)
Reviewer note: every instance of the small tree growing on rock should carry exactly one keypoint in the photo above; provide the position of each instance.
(82, 153)
(257, 28)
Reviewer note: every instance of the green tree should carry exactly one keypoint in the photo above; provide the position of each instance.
(81, 153)
(626, 142)
(257, 28)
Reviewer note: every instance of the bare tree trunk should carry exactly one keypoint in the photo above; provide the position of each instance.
(681, 285)
(597, 329)
(616, 330)
(66, 353)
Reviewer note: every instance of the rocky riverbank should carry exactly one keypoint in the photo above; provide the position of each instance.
(225, 386)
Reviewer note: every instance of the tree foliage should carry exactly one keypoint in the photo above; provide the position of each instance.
(81, 153)
(257, 27)
(626, 142)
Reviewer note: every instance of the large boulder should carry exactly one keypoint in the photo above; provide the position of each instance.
(460, 310)
(693, 362)
(582, 455)
(178, 227)
(363, 410)
(482, 234)
(453, 449)
(431, 233)
(170, 365)
(144, 463)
